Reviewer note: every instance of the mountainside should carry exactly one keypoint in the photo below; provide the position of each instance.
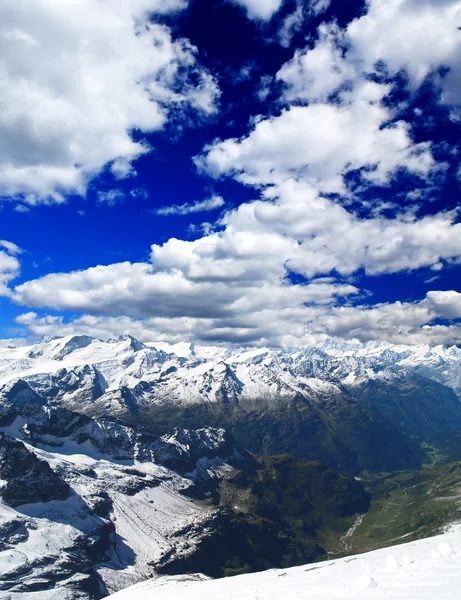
(91, 506)
(352, 407)
(428, 568)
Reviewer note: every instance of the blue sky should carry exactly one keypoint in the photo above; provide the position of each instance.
(241, 171)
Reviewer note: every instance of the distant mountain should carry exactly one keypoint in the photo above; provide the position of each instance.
(350, 406)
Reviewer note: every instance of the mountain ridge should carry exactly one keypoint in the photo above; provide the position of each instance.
(327, 403)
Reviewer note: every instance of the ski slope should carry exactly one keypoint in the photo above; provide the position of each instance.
(427, 570)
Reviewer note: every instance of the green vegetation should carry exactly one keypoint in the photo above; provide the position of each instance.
(345, 434)
(270, 517)
(405, 506)
(288, 511)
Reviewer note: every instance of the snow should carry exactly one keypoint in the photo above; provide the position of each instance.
(151, 516)
(425, 570)
(88, 374)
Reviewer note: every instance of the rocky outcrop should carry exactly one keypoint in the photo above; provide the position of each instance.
(26, 478)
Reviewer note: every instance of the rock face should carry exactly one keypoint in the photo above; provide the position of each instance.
(91, 506)
(26, 478)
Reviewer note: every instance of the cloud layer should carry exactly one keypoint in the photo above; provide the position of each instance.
(237, 285)
(284, 269)
(399, 323)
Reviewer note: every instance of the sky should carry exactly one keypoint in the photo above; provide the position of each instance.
(246, 172)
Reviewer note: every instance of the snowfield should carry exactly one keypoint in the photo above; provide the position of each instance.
(427, 569)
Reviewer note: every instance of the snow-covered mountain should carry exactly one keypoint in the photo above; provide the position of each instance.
(351, 406)
(65, 369)
(88, 507)
(428, 568)
(116, 464)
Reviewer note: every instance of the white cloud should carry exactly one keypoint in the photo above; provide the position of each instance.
(9, 265)
(313, 75)
(235, 285)
(445, 304)
(111, 197)
(74, 88)
(326, 237)
(400, 323)
(415, 35)
(319, 6)
(122, 168)
(10, 247)
(291, 25)
(323, 141)
(320, 143)
(294, 21)
(27, 318)
(163, 290)
(191, 207)
(418, 36)
(262, 10)
(306, 152)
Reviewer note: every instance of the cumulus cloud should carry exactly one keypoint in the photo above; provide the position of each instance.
(327, 237)
(418, 36)
(400, 323)
(321, 143)
(327, 139)
(143, 290)
(9, 265)
(191, 207)
(262, 10)
(299, 230)
(27, 318)
(313, 75)
(445, 304)
(336, 120)
(73, 89)
(277, 271)
(237, 284)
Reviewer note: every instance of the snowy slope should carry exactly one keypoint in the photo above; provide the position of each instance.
(89, 507)
(82, 369)
(427, 569)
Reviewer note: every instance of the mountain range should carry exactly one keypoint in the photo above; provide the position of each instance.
(352, 407)
(121, 460)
